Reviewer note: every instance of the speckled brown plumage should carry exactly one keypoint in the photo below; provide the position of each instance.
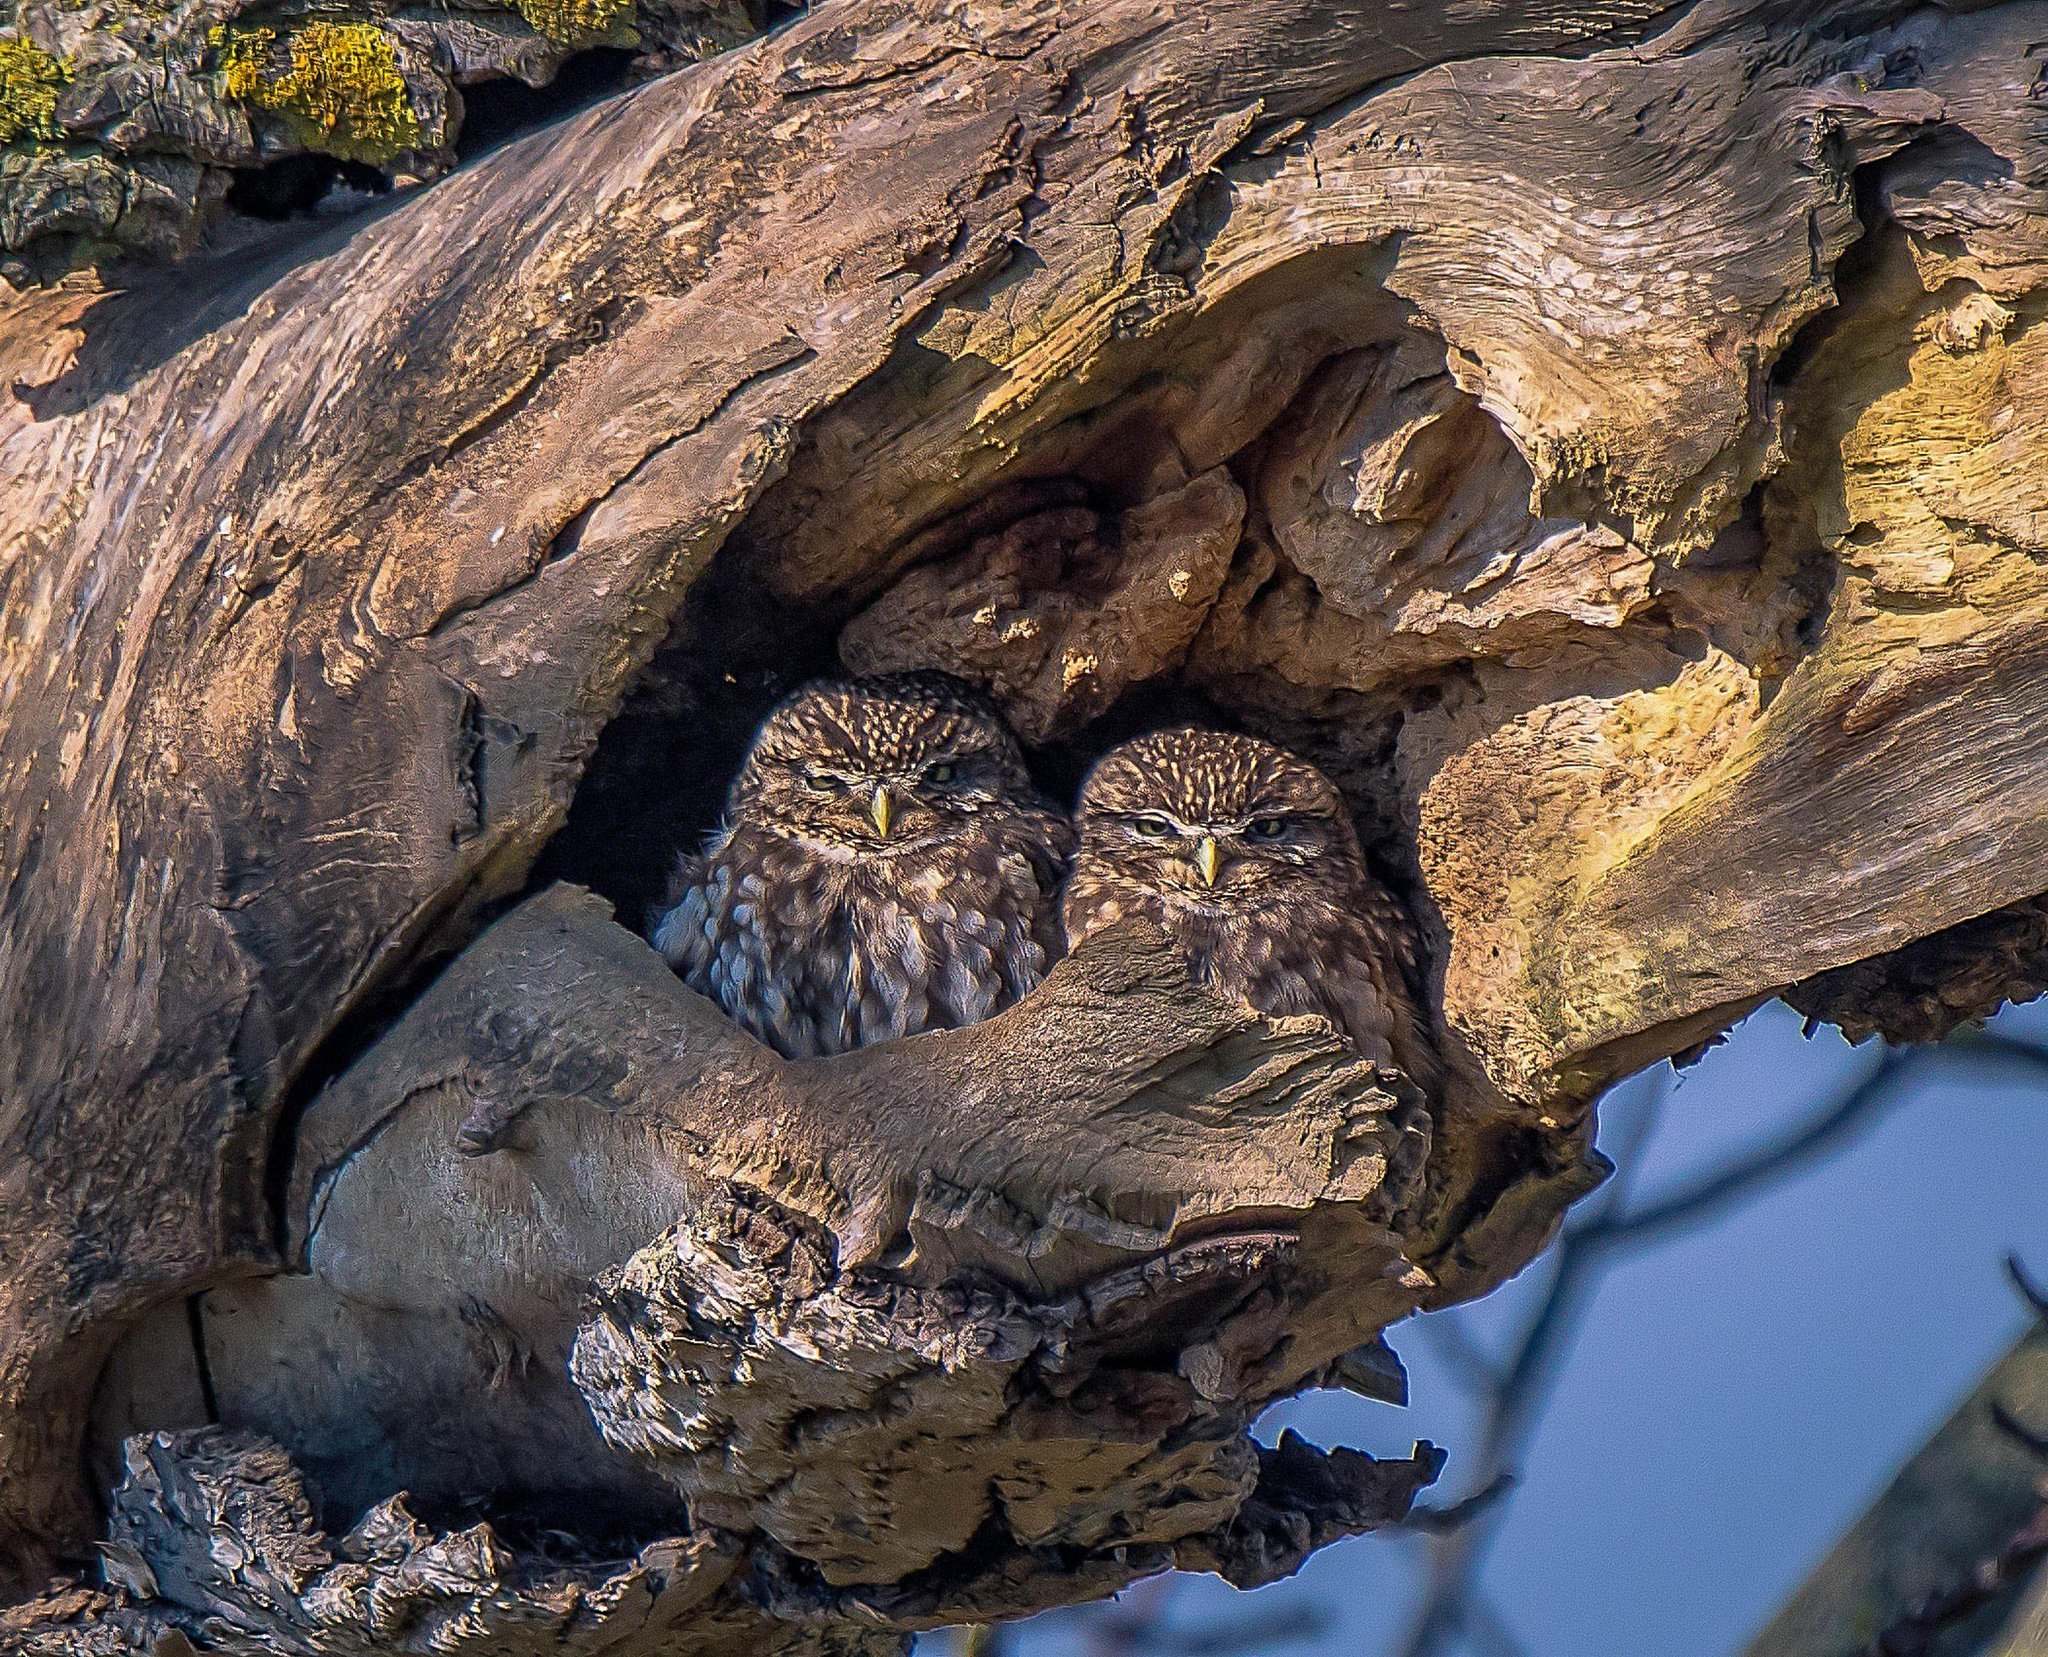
(1246, 856)
(886, 867)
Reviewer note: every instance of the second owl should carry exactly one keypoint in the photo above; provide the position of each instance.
(1245, 856)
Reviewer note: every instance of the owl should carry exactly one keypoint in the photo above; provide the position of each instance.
(1246, 857)
(885, 867)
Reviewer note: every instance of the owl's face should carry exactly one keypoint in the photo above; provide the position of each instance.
(1212, 820)
(876, 767)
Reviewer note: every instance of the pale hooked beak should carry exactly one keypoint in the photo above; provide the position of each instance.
(882, 808)
(1208, 859)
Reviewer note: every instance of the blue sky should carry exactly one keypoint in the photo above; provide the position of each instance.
(1732, 1398)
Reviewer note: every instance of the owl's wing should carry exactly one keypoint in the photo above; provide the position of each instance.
(1359, 1005)
(676, 924)
(1083, 906)
(1049, 847)
(1370, 994)
(1392, 930)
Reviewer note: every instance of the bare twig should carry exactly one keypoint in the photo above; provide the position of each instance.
(1136, 1627)
(1739, 1178)
(1288, 1626)
(1512, 1385)
(1136, 1616)
(1439, 1520)
(1993, 1044)
(1511, 1403)
(2029, 1291)
(2033, 1442)
(1490, 1630)
(1514, 1400)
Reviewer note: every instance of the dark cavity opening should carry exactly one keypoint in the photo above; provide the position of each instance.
(498, 111)
(304, 186)
(656, 785)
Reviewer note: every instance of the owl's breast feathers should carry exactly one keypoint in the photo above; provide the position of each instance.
(813, 956)
(1310, 951)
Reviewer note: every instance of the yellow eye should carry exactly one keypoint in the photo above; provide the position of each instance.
(1267, 828)
(945, 771)
(1154, 828)
(820, 782)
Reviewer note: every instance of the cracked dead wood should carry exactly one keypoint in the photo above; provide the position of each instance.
(153, 128)
(911, 1388)
(1608, 439)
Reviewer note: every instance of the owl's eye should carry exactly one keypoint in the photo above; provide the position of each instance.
(821, 782)
(943, 772)
(1267, 828)
(1154, 828)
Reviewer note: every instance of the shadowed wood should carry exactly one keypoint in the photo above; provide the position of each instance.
(1135, 1117)
(746, 1368)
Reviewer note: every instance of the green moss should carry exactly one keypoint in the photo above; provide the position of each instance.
(582, 22)
(340, 92)
(29, 82)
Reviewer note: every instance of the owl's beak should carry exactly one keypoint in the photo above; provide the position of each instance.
(882, 808)
(1208, 859)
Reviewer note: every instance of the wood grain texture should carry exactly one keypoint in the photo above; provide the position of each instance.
(212, 1538)
(1136, 1119)
(307, 645)
(829, 1338)
(1607, 438)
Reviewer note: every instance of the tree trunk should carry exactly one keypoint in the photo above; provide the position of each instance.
(1939, 1561)
(1607, 437)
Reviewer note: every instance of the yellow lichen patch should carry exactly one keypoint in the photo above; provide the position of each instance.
(1917, 460)
(582, 22)
(29, 82)
(341, 92)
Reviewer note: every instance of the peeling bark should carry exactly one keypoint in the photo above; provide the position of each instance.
(1607, 439)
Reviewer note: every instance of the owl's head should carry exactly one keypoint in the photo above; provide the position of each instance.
(868, 767)
(1208, 817)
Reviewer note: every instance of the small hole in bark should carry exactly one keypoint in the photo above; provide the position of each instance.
(301, 186)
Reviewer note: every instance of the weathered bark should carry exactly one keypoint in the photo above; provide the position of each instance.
(1609, 440)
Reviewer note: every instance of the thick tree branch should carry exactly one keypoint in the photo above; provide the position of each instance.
(1954, 1535)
